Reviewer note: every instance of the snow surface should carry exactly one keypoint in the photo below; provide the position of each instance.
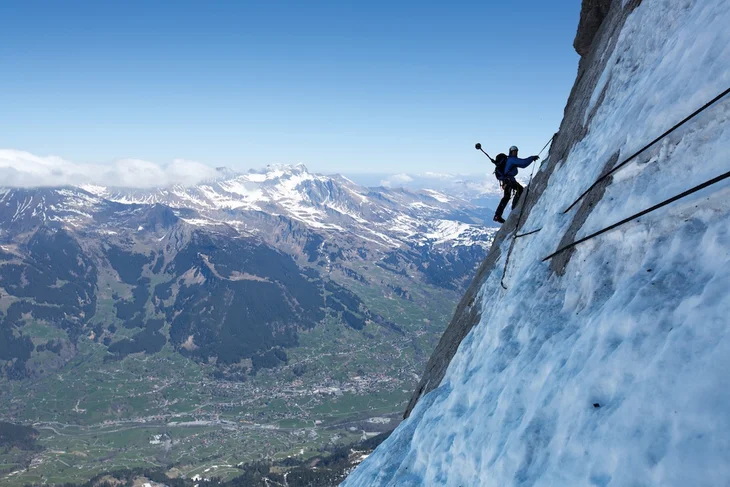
(639, 322)
(445, 231)
(326, 203)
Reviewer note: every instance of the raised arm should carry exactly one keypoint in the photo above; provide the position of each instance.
(517, 162)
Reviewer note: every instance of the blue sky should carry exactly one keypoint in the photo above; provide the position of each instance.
(341, 86)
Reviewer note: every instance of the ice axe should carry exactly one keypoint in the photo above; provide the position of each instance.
(478, 146)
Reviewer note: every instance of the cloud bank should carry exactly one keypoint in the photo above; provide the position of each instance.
(23, 169)
(396, 180)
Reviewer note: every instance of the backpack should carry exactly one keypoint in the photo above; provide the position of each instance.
(499, 163)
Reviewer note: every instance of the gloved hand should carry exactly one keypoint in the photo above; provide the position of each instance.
(535, 158)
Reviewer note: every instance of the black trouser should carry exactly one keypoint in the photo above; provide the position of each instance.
(508, 185)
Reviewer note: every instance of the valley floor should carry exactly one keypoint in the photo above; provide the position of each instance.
(169, 412)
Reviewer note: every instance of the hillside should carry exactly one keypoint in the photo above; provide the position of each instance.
(200, 327)
(604, 364)
(222, 267)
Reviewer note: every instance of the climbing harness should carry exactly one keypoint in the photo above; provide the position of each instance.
(640, 214)
(636, 154)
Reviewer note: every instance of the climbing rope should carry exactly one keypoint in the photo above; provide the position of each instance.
(519, 217)
(545, 146)
(636, 154)
(640, 214)
(527, 233)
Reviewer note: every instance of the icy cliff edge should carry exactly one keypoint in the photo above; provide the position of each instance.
(607, 364)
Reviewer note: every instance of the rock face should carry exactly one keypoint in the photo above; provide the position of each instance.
(572, 129)
(591, 17)
(605, 364)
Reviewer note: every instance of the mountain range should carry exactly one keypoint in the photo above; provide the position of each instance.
(234, 267)
(283, 304)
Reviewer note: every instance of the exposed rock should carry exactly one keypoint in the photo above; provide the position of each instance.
(592, 14)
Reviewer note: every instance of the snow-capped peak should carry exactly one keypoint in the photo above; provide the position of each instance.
(277, 171)
(322, 202)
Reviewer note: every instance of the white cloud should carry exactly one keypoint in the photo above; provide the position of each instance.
(23, 169)
(396, 180)
(437, 175)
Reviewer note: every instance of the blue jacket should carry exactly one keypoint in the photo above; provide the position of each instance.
(510, 167)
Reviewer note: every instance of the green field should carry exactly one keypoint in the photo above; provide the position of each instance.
(95, 415)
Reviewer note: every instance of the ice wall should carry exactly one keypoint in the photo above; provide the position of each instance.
(635, 321)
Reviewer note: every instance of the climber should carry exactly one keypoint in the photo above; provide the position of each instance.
(506, 177)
